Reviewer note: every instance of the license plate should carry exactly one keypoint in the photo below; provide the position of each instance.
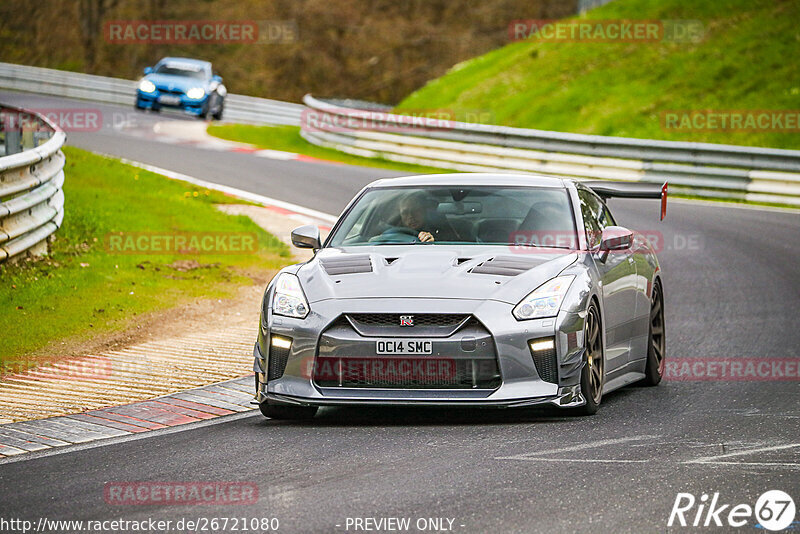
(170, 100)
(405, 346)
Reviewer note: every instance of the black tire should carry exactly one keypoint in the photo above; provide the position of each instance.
(656, 344)
(280, 411)
(593, 372)
(218, 115)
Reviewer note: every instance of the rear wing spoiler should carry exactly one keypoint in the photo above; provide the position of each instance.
(606, 190)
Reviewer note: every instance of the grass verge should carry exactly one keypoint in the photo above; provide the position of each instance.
(85, 288)
(742, 62)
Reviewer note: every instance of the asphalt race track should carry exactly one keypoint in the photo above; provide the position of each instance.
(732, 287)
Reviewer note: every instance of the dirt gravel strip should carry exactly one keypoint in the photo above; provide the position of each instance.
(141, 371)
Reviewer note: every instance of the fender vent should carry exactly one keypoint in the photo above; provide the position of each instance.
(546, 364)
(347, 265)
(504, 266)
(278, 358)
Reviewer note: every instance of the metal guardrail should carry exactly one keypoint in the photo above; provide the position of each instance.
(238, 108)
(31, 180)
(701, 169)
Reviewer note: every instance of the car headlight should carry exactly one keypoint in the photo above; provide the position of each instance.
(288, 298)
(146, 86)
(196, 93)
(545, 300)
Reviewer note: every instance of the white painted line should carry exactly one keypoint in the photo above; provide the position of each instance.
(578, 460)
(275, 154)
(590, 445)
(751, 464)
(746, 452)
(240, 193)
(785, 416)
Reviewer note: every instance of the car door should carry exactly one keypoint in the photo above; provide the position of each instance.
(618, 278)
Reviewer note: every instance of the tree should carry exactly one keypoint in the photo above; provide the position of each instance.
(91, 14)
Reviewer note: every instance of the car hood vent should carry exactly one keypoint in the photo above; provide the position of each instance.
(347, 265)
(505, 266)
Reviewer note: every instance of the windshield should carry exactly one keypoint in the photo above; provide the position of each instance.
(176, 69)
(525, 216)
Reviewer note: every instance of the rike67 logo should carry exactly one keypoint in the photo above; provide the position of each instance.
(774, 510)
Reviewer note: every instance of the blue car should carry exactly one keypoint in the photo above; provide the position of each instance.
(182, 83)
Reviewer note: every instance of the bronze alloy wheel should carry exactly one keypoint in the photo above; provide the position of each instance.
(593, 371)
(594, 356)
(656, 349)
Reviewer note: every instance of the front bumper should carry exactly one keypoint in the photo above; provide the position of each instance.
(507, 342)
(184, 103)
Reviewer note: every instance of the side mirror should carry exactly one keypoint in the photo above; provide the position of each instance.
(148, 70)
(616, 238)
(217, 78)
(306, 237)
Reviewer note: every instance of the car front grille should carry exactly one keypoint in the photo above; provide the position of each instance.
(421, 324)
(421, 319)
(463, 354)
(174, 92)
(407, 373)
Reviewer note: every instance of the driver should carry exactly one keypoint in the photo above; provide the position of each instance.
(412, 214)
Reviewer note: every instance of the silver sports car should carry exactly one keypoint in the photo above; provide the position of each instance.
(491, 290)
